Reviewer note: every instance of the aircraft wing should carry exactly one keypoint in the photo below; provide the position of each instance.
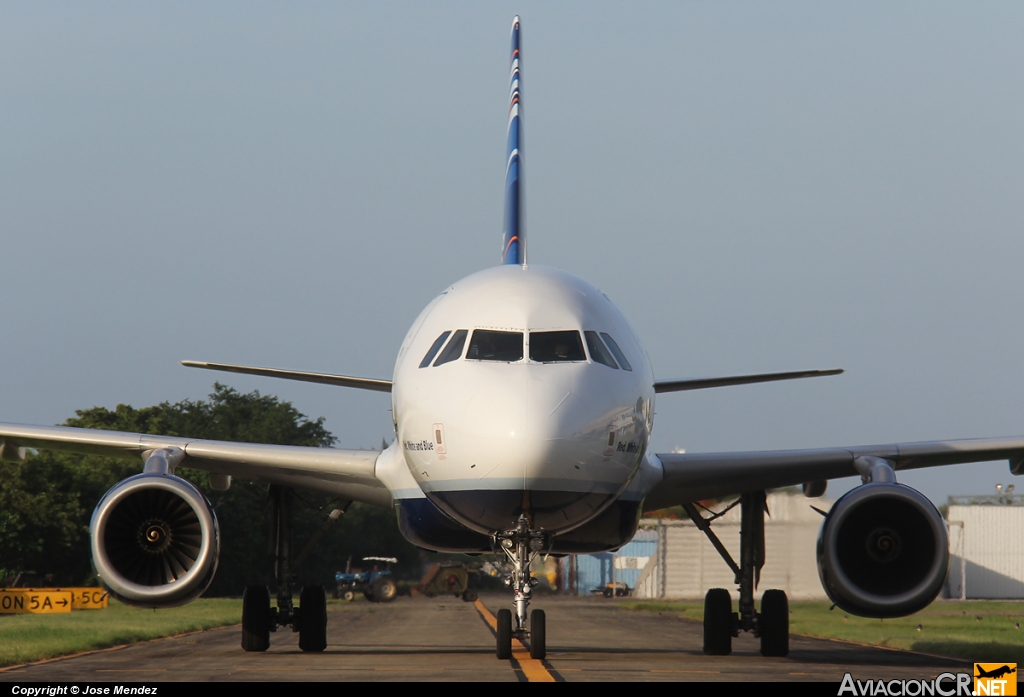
(323, 378)
(347, 473)
(705, 383)
(699, 476)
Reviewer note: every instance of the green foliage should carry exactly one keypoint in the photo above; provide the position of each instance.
(227, 415)
(46, 502)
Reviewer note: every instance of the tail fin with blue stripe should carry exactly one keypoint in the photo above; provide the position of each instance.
(513, 247)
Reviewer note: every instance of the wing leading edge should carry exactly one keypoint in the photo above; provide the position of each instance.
(698, 476)
(705, 383)
(322, 378)
(347, 473)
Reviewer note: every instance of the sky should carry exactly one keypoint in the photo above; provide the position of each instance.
(760, 187)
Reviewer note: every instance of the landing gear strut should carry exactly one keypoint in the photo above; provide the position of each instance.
(721, 624)
(521, 545)
(258, 617)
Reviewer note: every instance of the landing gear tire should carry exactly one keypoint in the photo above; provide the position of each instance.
(504, 635)
(718, 621)
(469, 596)
(313, 619)
(384, 590)
(774, 623)
(256, 618)
(538, 635)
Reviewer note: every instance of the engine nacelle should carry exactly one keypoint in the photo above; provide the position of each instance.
(155, 541)
(883, 551)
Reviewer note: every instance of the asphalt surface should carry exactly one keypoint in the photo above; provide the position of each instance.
(445, 639)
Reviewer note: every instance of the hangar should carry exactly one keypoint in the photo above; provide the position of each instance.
(673, 559)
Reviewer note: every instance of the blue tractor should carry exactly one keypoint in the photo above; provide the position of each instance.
(377, 585)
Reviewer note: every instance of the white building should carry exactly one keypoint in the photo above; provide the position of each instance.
(986, 551)
(986, 547)
(686, 565)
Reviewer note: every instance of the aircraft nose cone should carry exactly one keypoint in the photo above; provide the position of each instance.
(533, 429)
(535, 446)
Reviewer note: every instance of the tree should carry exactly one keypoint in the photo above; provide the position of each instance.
(46, 502)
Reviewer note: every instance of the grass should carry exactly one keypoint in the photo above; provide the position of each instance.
(26, 638)
(980, 631)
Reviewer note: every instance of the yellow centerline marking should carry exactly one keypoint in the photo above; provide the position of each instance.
(490, 619)
(533, 669)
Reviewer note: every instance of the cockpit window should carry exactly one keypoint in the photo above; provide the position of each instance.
(598, 353)
(488, 345)
(619, 356)
(434, 348)
(555, 347)
(453, 351)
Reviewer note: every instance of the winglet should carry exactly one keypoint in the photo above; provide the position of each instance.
(513, 243)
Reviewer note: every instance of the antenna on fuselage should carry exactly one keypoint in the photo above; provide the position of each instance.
(513, 243)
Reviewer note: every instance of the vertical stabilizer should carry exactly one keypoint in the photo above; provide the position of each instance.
(513, 244)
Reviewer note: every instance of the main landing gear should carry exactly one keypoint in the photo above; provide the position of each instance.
(259, 619)
(721, 624)
(521, 545)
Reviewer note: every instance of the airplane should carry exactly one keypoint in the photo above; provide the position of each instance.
(523, 403)
(995, 672)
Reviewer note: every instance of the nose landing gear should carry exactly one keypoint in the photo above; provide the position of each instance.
(521, 545)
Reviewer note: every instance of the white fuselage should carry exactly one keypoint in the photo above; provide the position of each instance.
(554, 433)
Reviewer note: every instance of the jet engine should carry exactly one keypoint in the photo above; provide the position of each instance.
(883, 551)
(155, 541)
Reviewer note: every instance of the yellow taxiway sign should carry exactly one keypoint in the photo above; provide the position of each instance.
(28, 601)
(87, 598)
